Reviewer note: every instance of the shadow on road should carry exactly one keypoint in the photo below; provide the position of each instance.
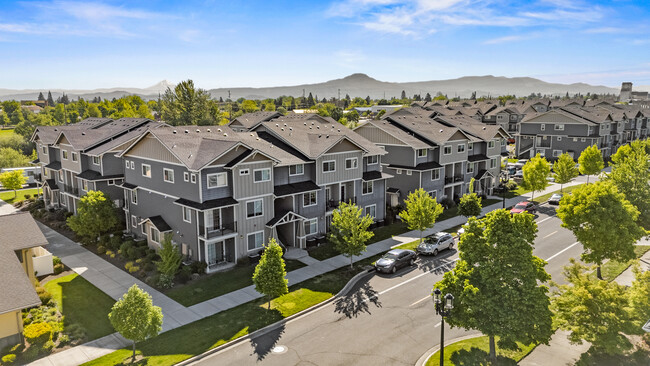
(265, 342)
(546, 210)
(355, 303)
(438, 265)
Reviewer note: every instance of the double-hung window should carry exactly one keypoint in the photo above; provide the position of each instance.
(45, 149)
(371, 210)
(84, 185)
(491, 144)
(134, 197)
(367, 187)
(193, 177)
(558, 127)
(75, 157)
(447, 150)
(422, 153)
(262, 175)
(96, 160)
(217, 180)
(470, 167)
(134, 222)
(329, 166)
(186, 176)
(155, 235)
(132, 165)
(168, 175)
(461, 148)
(146, 170)
(254, 208)
(309, 199)
(255, 240)
(64, 154)
(187, 214)
(493, 163)
(351, 163)
(373, 159)
(435, 174)
(311, 226)
(298, 169)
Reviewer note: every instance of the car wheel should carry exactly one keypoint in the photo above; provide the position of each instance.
(435, 252)
(394, 269)
(451, 245)
(412, 262)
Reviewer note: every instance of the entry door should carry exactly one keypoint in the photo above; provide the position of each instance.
(342, 196)
(212, 253)
(328, 194)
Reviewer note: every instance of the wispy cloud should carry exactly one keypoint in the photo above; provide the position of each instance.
(506, 39)
(606, 30)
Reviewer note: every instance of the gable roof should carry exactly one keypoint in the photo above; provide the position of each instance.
(428, 129)
(251, 120)
(473, 127)
(406, 137)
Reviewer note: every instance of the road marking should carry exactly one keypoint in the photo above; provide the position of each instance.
(549, 234)
(415, 278)
(562, 251)
(548, 218)
(437, 325)
(419, 301)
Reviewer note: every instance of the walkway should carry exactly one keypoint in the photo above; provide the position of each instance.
(115, 282)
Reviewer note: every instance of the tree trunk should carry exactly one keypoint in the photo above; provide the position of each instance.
(269, 306)
(598, 274)
(587, 178)
(15, 194)
(561, 187)
(493, 350)
(133, 358)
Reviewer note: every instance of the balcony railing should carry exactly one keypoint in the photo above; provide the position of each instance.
(453, 179)
(71, 190)
(225, 229)
(334, 204)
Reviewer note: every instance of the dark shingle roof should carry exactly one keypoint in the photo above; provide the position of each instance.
(55, 165)
(93, 175)
(295, 188)
(430, 129)
(52, 184)
(126, 185)
(392, 190)
(479, 157)
(375, 175)
(250, 120)
(421, 167)
(160, 223)
(207, 205)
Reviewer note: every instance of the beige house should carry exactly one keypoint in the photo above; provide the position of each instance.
(20, 240)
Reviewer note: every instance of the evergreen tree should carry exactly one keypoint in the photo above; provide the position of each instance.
(310, 101)
(50, 100)
(41, 97)
(403, 96)
(170, 262)
(427, 97)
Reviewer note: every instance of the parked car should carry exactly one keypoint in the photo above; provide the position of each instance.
(434, 243)
(519, 174)
(520, 163)
(522, 207)
(551, 179)
(555, 199)
(395, 259)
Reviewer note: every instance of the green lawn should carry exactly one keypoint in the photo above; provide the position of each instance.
(219, 283)
(613, 269)
(6, 132)
(82, 303)
(475, 351)
(192, 339)
(565, 190)
(8, 196)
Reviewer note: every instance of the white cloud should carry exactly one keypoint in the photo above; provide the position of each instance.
(506, 39)
(606, 30)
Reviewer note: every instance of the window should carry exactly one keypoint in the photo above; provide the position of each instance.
(244, 171)
(217, 180)
(96, 160)
(45, 173)
(298, 169)
(433, 194)
(186, 176)
(491, 144)
(64, 154)
(134, 221)
(254, 208)
(45, 150)
(503, 142)
(144, 231)
(75, 157)
(193, 177)
(84, 185)
(255, 240)
(542, 127)
(435, 174)
(187, 214)
(367, 187)
(583, 139)
(60, 174)
(470, 167)
(329, 166)
(590, 130)
(373, 159)
(262, 175)
(558, 127)
(309, 199)
(311, 226)
(447, 150)
(461, 148)
(371, 210)
(351, 163)
(111, 182)
(132, 165)
(470, 146)
(134, 197)
(168, 175)
(557, 153)
(127, 164)
(422, 153)
(398, 171)
(155, 235)
(408, 172)
(493, 163)
(146, 170)
(575, 139)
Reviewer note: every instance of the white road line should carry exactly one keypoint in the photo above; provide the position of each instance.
(548, 218)
(549, 234)
(419, 301)
(437, 325)
(562, 251)
(416, 277)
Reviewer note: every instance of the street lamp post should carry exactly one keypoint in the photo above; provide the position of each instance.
(504, 179)
(443, 308)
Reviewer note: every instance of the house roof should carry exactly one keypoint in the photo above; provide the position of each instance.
(207, 205)
(473, 127)
(52, 184)
(427, 128)
(19, 231)
(295, 188)
(421, 167)
(55, 165)
(93, 175)
(251, 120)
(160, 223)
(399, 133)
(375, 175)
(479, 157)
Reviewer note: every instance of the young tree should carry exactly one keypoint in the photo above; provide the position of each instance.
(95, 216)
(564, 170)
(603, 221)
(592, 310)
(421, 211)
(13, 179)
(497, 279)
(170, 261)
(631, 176)
(591, 161)
(535, 173)
(349, 230)
(639, 293)
(470, 204)
(269, 277)
(135, 317)
(186, 105)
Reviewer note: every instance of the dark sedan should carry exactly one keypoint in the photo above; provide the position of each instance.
(395, 259)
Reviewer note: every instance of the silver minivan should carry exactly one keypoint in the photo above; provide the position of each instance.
(434, 243)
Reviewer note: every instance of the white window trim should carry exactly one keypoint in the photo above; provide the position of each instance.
(375, 159)
(556, 127)
(444, 150)
(355, 165)
(244, 171)
(261, 213)
(98, 160)
(189, 214)
(142, 170)
(315, 200)
(261, 170)
(127, 164)
(366, 209)
(193, 178)
(327, 162)
(134, 222)
(409, 172)
(218, 185)
(310, 223)
(460, 148)
(186, 176)
(132, 165)
(420, 155)
(470, 168)
(491, 144)
(433, 194)
(45, 149)
(74, 156)
(172, 175)
(248, 240)
(372, 188)
(557, 153)
(398, 171)
(151, 230)
(64, 155)
(470, 146)
(134, 193)
(435, 172)
(302, 172)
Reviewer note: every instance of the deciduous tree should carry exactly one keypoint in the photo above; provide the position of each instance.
(10, 158)
(564, 170)
(95, 216)
(470, 204)
(186, 105)
(135, 317)
(497, 279)
(536, 171)
(421, 211)
(13, 179)
(639, 295)
(269, 277)
(170, 261)
(603, 221)
(349, 230)
(591, 161)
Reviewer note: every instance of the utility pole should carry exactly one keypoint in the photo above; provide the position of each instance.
(229, 94)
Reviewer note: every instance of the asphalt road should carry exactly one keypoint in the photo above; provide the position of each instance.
(385, 319)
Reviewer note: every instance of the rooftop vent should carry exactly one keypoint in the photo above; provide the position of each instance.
(208, 130)
(187, 131)
(252, 135)
(339, 130)
(285, 125)
(440, 130)
(305, 123)
(290, 128)
(225, 134)
(174, 132)
(277, 125)
(83, 134)
(281, 128)
(197, 130)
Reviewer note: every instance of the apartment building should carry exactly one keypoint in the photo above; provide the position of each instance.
(75, 159)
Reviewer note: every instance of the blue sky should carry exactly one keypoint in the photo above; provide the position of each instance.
(88, 44)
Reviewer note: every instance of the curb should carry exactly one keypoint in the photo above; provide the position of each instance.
(353, 281)
(433, 350)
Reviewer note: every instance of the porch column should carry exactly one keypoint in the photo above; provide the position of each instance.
(301, 231)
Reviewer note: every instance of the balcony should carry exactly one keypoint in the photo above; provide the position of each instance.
(453, 179)
(334, 204)
(70, 189)
(225, 229)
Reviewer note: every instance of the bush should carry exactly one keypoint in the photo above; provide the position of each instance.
(28, 196)
(448, 203)
(165, 281)
(76, 331)
(148, 267)
(58, 268)
(48, 346)
(31, 354)
(63, 339)
(115, 242)
(56, 260)
(185, 274)
(101, 249)
(8, 359)
(45, 296)
(511, 186)
(38, 333)
(152, 280)
(198, 267)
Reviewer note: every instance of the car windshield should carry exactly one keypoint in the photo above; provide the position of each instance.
(390, 256)
(521, 205)
(430, 240)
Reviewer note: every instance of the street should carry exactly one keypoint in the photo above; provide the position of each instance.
(385, 319)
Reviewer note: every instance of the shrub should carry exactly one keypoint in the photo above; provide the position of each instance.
(45, 296)
(511, 186)
(63, 339)
(48, 346)
(448, 203)
(134, 269)
(165, 281)
(128, 265)
(152, 280)
(198, 267)
(28, 196)
(76, 331)
(56, 260)
(148, 267)
(38, 333)
(101, 249)
(58, 268)
(115, 242)
(185, 274)
(30, 354)
(8, 359)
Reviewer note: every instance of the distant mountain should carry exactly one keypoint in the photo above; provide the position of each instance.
(355, 85)
(641, 88)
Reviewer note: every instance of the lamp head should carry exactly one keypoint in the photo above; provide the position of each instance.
(449, 301)
(436, 296)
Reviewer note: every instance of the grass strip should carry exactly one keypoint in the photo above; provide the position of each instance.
(475, 351)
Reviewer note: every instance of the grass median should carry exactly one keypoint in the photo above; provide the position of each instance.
(475, 351)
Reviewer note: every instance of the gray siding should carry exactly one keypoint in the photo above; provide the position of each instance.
(377, 197)
(399, 155)
(179, 188)
(112, 165)
(68, 163)
(340, 174)
(455, 156)
(214, 193)
(245, 186)
(246, 225)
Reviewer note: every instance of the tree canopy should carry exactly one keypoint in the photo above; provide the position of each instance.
(591, 161)
(13, 179)
(169, 263)
(269, 277)
(470, 203)
(564, 170)
(349, 230)
(95, 216)
(186, 105)
(10, 158)
(536, 170)
(421, 211)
